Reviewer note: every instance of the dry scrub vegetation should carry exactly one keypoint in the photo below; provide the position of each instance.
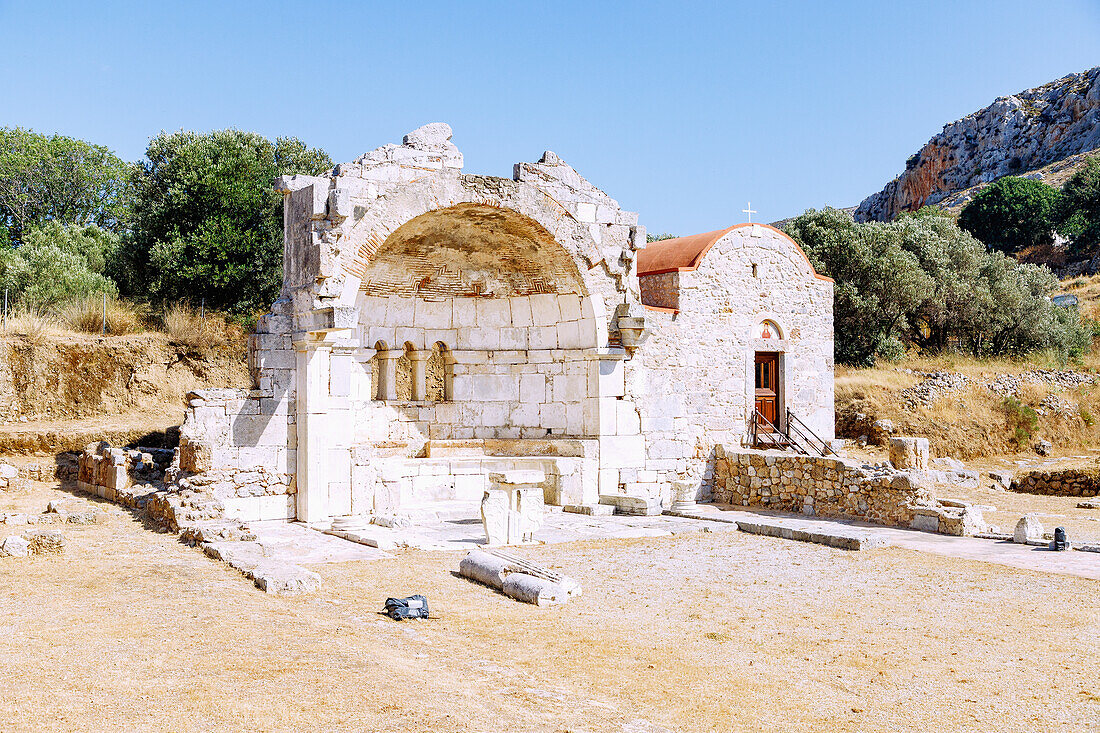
(977, 421)
(207, 332)
(973, 422)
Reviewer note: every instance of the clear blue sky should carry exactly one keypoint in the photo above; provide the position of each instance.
(681, 111)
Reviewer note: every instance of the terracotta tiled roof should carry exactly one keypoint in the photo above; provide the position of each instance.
(680, 253)
(685, 253)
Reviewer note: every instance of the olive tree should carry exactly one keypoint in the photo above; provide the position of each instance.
(207, 223)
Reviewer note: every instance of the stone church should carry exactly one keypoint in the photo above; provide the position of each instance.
(436, 326)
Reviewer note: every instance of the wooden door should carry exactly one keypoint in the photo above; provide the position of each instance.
(767, 386)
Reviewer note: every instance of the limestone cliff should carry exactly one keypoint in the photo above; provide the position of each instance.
(1012, 136)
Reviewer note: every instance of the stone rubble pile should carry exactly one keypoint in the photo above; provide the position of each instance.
(38, 539)
(33, 542)
(935, 385)
(1009, 384)
(932, 387)
(1055, 405)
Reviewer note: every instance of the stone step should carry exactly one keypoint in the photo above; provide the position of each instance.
(638, 506)
(831, 538)
(597, 510)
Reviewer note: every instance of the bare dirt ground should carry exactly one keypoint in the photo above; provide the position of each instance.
(131, 630)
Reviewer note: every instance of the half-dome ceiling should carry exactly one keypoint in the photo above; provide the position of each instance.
(470, 250)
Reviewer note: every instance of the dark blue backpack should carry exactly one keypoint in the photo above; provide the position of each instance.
(403, 608)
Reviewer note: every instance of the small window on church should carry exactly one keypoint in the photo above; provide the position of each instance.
(754, 270)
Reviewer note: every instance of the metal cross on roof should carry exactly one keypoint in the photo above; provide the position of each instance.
(750, 211)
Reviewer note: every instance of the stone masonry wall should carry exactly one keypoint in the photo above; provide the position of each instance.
(1065, 482)
(239, 444)
(812, 485)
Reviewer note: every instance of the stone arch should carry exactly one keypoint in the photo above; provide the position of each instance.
(470, 250)
(364, 238)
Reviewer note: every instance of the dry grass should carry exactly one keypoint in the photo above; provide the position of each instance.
(204, 332)
(130, 630)
(971, 423)
(35, 327)
(1087, 290)
(89, 315)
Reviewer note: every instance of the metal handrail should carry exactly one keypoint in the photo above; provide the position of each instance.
(755, 433)
(794, 424)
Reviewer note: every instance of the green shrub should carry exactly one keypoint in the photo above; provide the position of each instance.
(922, 281)
(1086, 417)
(207, 225)
(1012, 214)
(1021, 420)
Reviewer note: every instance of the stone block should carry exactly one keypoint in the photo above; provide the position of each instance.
(632, 505)
(570, 307)
(430, 314)
(909, 453)
(513, 338)
(627, 421)
(521, 312)
(15, 546)
(1028, 529)
(493, 313)
(464, 313)
(545, 309)
(512, 510)
(596, 510)
(608, 378)
(542, 337)
(284, 579)
(479, 338)
(400, 312)
(552, 416)
(45, 541)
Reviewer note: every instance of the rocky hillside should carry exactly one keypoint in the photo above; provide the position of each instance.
(1014, 135)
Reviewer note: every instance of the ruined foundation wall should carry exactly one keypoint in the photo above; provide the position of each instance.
(241, 443)
(1065, 482)
(821, 486)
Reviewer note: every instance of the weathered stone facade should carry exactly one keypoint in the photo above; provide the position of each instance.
(435, 326)
(708, 301)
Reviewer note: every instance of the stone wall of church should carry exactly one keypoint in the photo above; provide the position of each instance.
(695, 374)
